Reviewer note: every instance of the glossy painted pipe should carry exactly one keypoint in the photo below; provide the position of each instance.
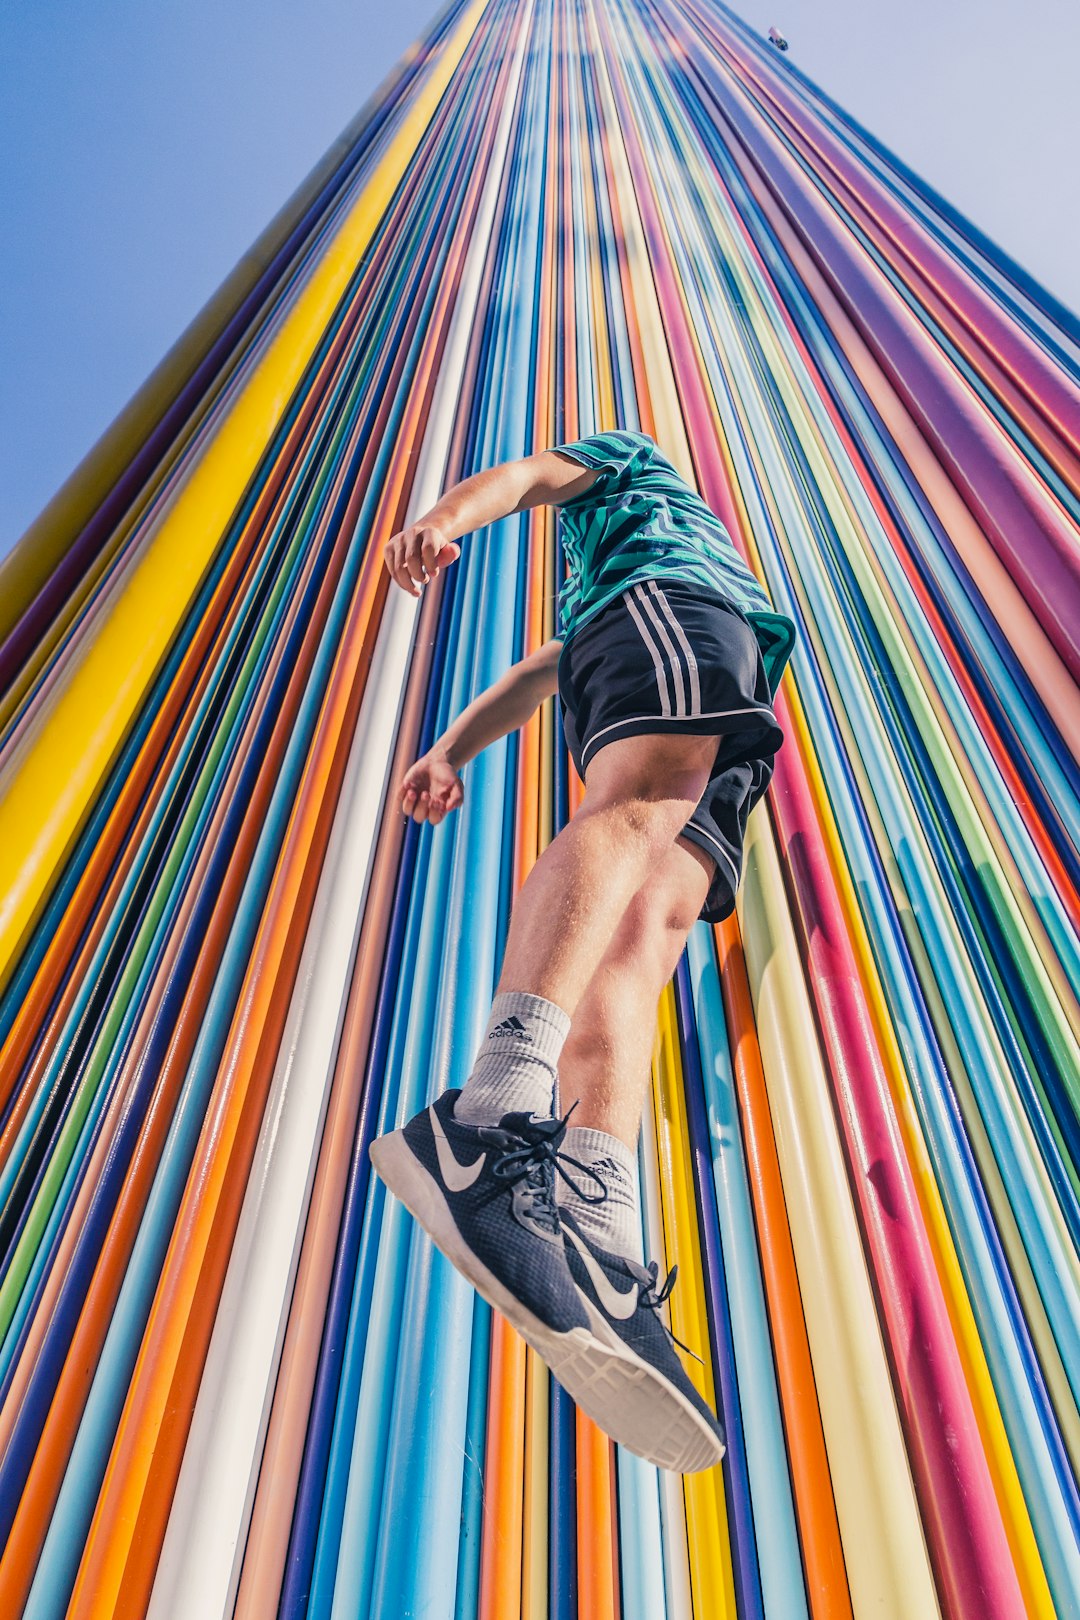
(559, 220)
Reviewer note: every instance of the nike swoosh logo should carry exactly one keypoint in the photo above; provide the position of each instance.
(617, 1303)
(456, 1175)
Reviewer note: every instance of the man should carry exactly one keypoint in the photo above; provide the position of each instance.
(666, 666)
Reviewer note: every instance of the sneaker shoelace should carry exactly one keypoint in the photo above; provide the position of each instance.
(535, 1162)
(652, 1298)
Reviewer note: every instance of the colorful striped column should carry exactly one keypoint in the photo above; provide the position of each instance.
(234, 1378)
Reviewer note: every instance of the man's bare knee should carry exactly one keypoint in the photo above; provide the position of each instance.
(671, 902)
(676, 910)
(661, 914)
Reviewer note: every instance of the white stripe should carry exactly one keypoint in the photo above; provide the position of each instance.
(691, 661)
(661, 681)
(720, 848)
(673, 657)
(632, 719)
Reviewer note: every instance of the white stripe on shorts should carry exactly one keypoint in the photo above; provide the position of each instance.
(634, 719)
(688, 651)
(673, 658)
(654, 653)
(720, 850)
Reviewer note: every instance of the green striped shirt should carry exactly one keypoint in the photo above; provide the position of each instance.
(641, 520)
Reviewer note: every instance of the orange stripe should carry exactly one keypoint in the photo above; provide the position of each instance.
(597, 1542)
(819, 1532)
(501, 1537)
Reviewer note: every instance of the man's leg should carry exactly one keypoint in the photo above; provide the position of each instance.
(481, 1180)
(605, 1065)
(606, 1062)
(639, 794)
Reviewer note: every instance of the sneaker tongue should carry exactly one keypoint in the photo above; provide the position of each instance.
(515, 1129)
(531, 1128)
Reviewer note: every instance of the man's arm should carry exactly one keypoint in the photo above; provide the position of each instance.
(418, 553)
(432, 787)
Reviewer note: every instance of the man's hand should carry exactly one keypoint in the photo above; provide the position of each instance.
(431, 788)
(416, 555)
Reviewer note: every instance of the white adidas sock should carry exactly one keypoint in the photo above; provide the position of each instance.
(517, 1065)
(615, 1223)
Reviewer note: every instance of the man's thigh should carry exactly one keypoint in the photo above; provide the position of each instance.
(653, 767)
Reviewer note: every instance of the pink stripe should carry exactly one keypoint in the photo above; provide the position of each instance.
(967, 1538)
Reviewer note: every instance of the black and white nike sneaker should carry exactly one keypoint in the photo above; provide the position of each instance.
(484, 1195)
(664, 1419)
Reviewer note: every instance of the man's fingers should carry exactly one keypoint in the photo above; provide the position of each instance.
(447, 801)
(430, 546)
(398, 571)
(424, 804)
(439, 554)
(417, 555)
(394, 555)
(414, 562)
(409, 576)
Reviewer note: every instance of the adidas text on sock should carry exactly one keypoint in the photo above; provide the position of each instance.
(614, 1223)
(517, 1064)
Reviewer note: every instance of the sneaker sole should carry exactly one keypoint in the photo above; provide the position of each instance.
(624, 1396)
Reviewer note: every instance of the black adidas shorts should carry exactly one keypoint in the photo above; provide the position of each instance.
(678, 657)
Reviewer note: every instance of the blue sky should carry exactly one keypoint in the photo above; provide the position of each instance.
(145, 145)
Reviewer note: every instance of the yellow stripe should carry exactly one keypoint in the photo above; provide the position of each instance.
(884, 1548)
(46, 804)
